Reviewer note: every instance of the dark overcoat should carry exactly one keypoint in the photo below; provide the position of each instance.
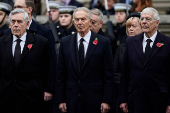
(84, 91)
(145, 83)
(22, 86)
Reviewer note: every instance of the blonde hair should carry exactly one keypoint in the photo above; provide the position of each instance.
(129, 22)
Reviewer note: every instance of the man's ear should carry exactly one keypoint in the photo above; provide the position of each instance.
(91, 21)
(30, 9)
(28, 23)
(101, 24)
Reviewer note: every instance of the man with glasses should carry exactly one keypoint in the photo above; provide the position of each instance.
(145, 79)
(97, 22)
(85, 69)
(24, 67)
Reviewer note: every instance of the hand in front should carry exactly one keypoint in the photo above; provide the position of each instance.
(124, 107)
(47, 96)
(105, 107)
(168, 109)
(63, 107)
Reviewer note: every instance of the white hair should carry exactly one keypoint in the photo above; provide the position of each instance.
(26, 17)
(85, 9)
(152, 10)
(97, 12)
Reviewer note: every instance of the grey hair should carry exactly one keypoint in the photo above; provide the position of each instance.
(97, 12)
(26, 17)
(152, 10)
(85, 9)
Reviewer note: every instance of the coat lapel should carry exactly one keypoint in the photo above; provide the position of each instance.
(29, 40)
(139, 47)
(72, 51)
(154, 49)
(8, 48)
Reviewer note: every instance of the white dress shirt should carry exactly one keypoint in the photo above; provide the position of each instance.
(22, 43)
(85, 42)
(145, 38)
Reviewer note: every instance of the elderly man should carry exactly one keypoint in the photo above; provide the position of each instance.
(24, 67)
(85, 69)
(97, 17)
(35, 28)
(145, 80)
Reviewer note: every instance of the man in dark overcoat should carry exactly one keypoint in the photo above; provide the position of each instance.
(85, 69)
(24, 68)
(145, 80)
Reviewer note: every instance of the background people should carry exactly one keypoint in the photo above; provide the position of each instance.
(66, 21)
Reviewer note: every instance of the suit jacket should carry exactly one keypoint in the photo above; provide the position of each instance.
(85, 90)
(112, 40)
(36, 28)
(22, 85)
(145, 83)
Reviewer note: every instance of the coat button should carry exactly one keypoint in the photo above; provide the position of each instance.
(79, 94)
(15, 79)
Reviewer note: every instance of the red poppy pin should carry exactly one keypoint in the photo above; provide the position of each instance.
(159, 44)
(29, 46)
(95, 41)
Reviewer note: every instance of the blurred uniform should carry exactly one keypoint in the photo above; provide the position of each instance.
(120, 27)
(53, 5)
(4, 12)
(66, 26)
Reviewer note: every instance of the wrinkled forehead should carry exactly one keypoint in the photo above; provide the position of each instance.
(81, 14)
(147, 14)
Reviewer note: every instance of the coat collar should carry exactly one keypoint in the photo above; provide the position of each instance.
(139, 47)
(8, 47)
(73, 50)
(33, 27)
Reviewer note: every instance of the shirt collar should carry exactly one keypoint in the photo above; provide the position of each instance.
(86, 37)
(152, 37)
(23, 38)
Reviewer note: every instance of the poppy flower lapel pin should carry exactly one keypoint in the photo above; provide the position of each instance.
(29, 46)
(95, 41)
(159, 44)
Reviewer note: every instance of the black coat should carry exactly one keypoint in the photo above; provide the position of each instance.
(75, 3)
(118, 60)
(36, 28)
(145, 83)
(112, 40)
(63, 32)
(85, 90)
(22, 86)
(120, 34)
(2, 29)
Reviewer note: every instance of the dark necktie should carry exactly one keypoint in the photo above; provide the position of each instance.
(81, 53)
(17, 54)
(148, 47)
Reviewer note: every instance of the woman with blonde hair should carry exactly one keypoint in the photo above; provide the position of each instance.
(133, 28)
(139, 5)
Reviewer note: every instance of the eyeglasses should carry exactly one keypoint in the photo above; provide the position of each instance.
(146, 19)
(19, 7)
(94, 22)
